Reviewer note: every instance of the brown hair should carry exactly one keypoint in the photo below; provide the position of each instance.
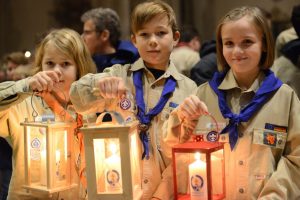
(69, 43)
(17, 57)
(146, 11)
(255, 15)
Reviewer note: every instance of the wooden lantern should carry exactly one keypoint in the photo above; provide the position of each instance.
(112, 159)
(47, 152)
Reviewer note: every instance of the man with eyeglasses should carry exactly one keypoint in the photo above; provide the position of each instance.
(101, 33)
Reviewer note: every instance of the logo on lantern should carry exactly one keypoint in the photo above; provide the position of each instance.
(212, 136)
(35, 143)
(35, 149)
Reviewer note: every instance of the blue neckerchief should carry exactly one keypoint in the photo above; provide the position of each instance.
(268, 86)
(144, 118)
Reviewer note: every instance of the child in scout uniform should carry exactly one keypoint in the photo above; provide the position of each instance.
(261, 115)
(155, 85)
(60, 59)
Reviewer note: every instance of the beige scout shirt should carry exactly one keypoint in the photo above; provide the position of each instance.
(287, 72)
(254, 171)
(13, 111)
(156, 180)
(283, 38)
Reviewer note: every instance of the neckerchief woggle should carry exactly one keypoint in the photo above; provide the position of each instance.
(144, 118)
(265, 91)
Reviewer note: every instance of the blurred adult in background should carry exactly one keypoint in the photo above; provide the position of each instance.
(2, 73)
(13, 69)
(12, 61)
(22, 71)
(287, 35)
(5, 167)
(287, 66)
(186, 54)
(204, 70)
(101, 33)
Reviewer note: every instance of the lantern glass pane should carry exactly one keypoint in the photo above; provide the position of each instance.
(37, 155)
(217, 172)
(135, 164)
(60, 155)
(108, 165)
(192, 174)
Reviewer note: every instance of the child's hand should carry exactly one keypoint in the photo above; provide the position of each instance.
(112, 87)
(192, 108)
(44, 81)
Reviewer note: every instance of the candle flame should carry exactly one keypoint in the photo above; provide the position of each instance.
(113, 148)
(197, 156)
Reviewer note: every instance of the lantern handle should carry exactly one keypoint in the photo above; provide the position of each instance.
(116, 118)
(197, 137)
(62, 113)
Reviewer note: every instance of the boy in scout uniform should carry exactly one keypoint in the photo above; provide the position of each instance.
(261, 115)
(154, 85)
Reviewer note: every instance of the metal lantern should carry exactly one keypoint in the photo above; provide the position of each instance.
(198, 166)
(48, 146)
(112, 159)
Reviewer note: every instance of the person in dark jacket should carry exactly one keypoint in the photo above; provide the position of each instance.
(287, 66)
(207, 66)
(5, 167)
(101, 33)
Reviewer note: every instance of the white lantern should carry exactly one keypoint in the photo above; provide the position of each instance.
(48, 146)
(112, 160)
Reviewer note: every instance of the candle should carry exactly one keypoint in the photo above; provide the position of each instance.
(43, 173)
(113, 175)
(198, 179)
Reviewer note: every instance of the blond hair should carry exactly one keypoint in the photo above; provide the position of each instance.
(144, 12)
(69, 43)
(255, 15)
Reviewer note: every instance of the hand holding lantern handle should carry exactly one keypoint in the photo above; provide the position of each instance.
(191, 112)
(192, 108)
(110, 87)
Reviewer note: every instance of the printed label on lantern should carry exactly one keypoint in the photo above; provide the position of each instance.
(35, 149)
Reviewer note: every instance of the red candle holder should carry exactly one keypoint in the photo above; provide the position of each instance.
(202, 177)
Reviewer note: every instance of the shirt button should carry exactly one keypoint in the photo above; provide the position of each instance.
(241, 162)
(241, 190)
(146, 181)
(241, 134)
(153, 86)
